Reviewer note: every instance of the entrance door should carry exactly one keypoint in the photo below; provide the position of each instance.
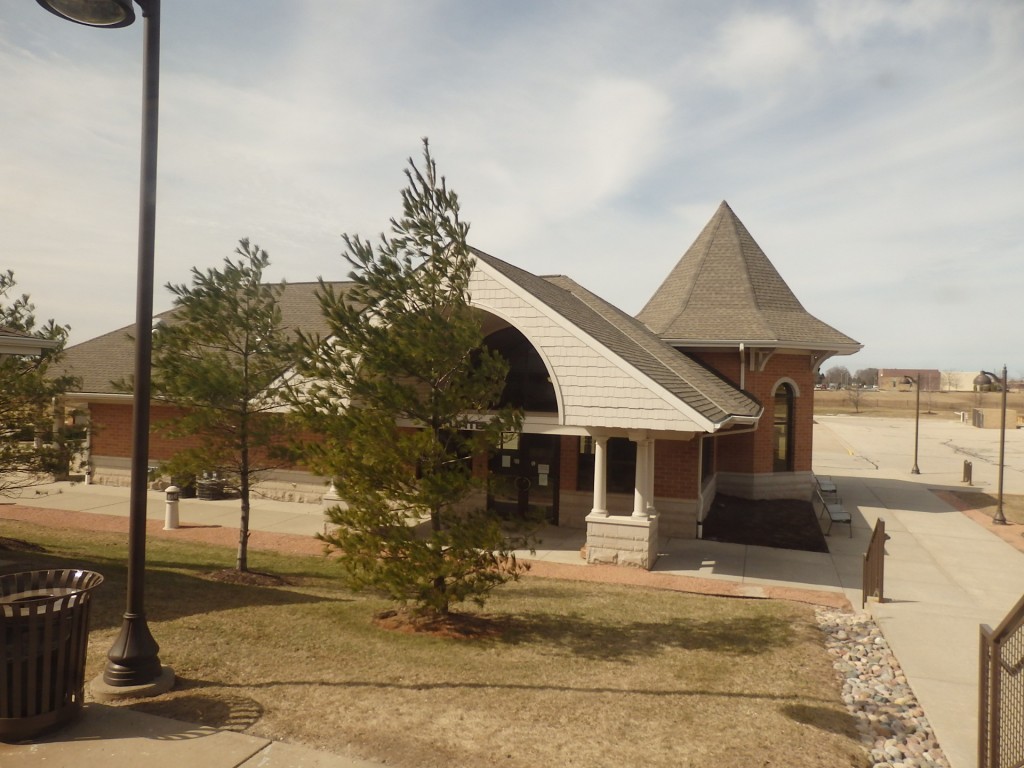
(523, 481)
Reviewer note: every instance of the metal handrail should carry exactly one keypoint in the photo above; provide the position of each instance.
(873, 581)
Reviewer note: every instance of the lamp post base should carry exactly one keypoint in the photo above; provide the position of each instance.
(102, 691)
(133, 659)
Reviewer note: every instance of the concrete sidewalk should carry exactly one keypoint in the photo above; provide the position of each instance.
(945, 575)
(117, 737)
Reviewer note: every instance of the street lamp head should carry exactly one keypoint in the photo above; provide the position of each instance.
(93, 13)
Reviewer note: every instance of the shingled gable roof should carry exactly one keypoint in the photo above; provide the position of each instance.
(724, 291)
(700, 389)
(108, 358)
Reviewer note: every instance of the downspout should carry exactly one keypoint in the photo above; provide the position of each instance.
(743, 369)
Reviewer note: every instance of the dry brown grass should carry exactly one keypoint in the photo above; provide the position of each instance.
(581, 674)
(903, 404)
(1013, 506)
(981, 507)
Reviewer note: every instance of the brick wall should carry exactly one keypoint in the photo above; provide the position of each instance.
(676, 465)
(753, 452)
(112, 431)
(569, 450)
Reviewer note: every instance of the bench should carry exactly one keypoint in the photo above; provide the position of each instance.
(825, 485)
(833, 506)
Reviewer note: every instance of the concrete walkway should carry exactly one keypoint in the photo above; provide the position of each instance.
(945, 575)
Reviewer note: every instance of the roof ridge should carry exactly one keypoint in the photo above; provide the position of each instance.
(703, 258)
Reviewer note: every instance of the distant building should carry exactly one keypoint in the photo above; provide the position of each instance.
(904, 379)
(958, 381)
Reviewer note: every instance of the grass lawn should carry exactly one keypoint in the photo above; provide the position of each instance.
(575, 673)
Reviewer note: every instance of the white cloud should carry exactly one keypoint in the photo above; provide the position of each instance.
(756, 50)
(872, 148)
(846, 22)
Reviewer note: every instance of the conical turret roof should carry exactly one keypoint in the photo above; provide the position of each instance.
(724, 291)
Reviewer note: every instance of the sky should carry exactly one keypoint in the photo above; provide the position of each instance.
(874, 149)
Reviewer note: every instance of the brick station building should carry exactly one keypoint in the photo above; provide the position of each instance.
(632, 424)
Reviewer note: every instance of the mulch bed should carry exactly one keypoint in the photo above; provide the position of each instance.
(779, 523)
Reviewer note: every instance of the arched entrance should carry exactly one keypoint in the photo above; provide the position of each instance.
(523, 477)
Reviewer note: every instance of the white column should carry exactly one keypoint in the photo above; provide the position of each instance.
(651, 511)
(640, 496)
(600, 476)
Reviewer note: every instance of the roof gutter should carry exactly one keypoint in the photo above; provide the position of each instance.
(748, 423)
(834, 349)
(99, 397)
(29, 346)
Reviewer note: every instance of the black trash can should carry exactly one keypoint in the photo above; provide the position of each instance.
(44, 626)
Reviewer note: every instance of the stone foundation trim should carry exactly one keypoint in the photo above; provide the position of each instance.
(768, 485)
(622, 540)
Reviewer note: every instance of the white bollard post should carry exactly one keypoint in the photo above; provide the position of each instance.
(171, 510)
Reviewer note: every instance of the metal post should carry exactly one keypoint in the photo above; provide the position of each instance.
(917, 424)
(133, 659)
(132, 662)
(999, 518)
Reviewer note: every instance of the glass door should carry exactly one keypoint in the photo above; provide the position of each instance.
(523, 482)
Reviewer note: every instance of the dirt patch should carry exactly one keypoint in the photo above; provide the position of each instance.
(458, 626)
(17, 545)
(779, 523)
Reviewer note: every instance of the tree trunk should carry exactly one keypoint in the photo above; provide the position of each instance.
(242, 563)
(243, 488)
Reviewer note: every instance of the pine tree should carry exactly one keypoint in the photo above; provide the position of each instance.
(403, 393)
(31, 447)
(223, 358)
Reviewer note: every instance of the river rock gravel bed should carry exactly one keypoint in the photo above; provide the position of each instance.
(892, 726)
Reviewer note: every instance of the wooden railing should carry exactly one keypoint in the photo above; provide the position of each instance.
(873, 582)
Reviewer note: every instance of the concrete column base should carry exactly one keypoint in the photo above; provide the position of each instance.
(622, 540)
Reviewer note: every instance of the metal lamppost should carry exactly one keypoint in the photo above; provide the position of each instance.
(917, 418)
(133, 661)
(999, 518)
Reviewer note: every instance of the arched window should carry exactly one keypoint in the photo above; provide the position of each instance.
(527, 385)
(783, 453)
